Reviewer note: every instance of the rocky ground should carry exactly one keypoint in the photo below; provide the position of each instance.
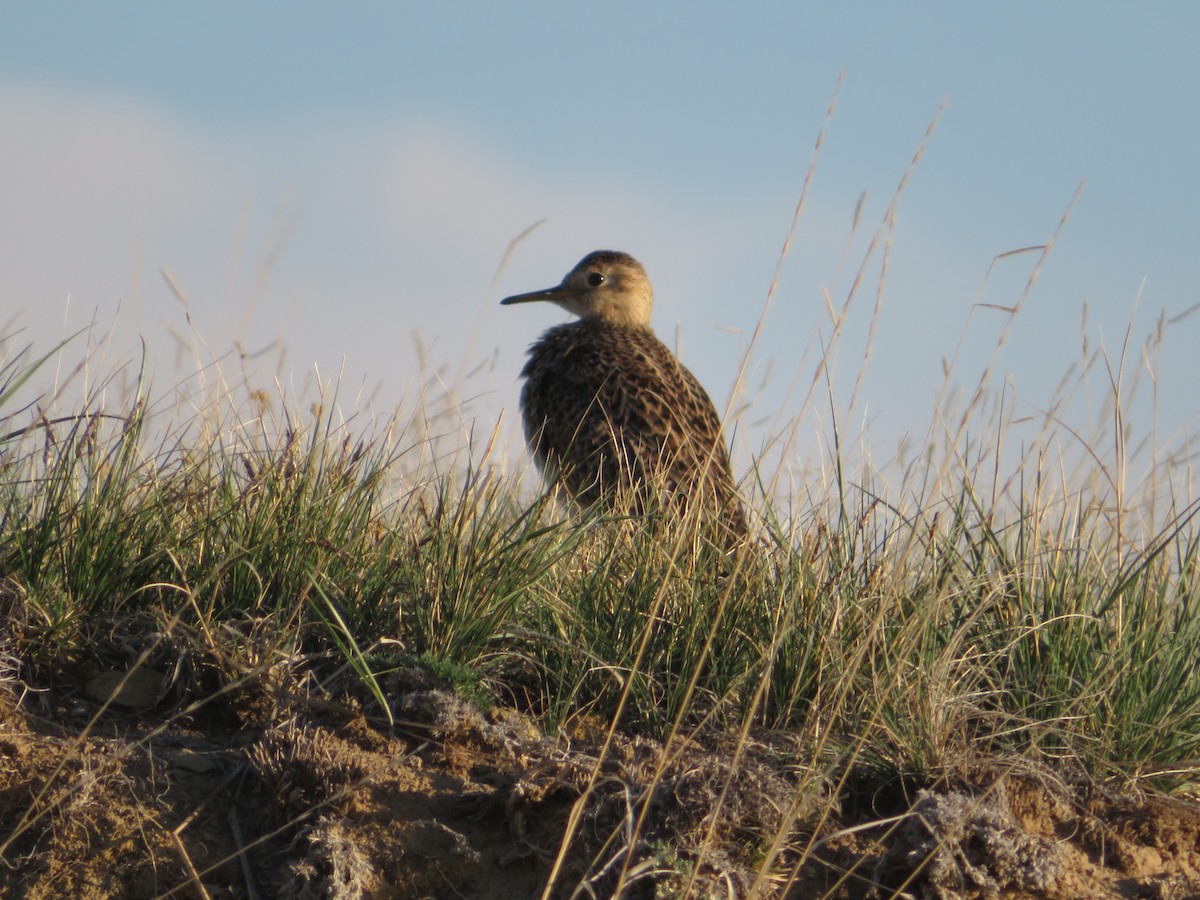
(261, 795)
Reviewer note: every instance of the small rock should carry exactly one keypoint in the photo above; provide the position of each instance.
(196, 763)
(136, 691)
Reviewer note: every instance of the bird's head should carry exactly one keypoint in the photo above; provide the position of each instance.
(606, 285)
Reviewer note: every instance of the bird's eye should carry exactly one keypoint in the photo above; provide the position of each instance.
(595, 279)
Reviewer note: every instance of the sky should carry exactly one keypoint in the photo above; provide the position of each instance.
(335, 189)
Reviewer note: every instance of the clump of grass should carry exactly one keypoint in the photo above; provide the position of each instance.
(897, 632)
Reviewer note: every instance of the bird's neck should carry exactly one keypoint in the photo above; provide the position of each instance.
(614, 318)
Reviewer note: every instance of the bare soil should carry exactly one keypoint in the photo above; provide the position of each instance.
(262, 794)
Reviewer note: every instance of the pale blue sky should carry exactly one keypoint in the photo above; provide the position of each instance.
(336, 176)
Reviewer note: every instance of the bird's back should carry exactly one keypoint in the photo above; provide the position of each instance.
(609, 408)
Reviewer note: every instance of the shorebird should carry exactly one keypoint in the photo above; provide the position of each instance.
(610, 412)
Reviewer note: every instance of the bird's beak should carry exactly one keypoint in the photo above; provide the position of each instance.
(551, 294)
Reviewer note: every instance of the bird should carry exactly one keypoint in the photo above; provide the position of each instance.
(611, 413)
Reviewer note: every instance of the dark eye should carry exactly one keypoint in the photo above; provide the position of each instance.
(595, 279)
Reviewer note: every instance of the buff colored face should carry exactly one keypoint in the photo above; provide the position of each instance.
(608, 286)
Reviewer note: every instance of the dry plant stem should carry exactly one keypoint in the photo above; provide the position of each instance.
(243, 858)
(193, 876)
(186, 821)
(655, 610)
(838, 317)
(886, 227)
(739, 379)
(577, 809)
(986, 374)
(787, 244)
(671, 741)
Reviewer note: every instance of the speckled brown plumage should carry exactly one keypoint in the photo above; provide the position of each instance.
(608, 408)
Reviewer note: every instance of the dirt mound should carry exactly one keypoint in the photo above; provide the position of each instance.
(451, 802)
